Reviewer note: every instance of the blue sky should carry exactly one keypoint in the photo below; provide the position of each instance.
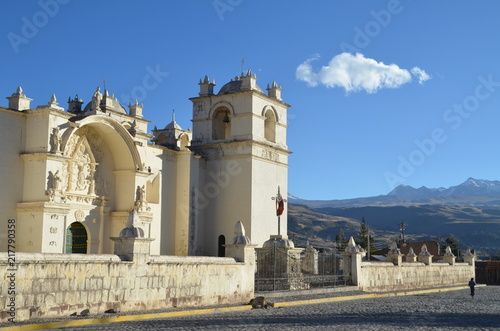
(361, 122)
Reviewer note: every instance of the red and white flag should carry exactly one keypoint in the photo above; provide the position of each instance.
(280, 205)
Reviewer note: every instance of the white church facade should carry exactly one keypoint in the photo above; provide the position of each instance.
(71, 177)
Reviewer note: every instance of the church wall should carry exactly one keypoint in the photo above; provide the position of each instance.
(37, 131)
(125, 189)
(227, 193)
(182, 204)
(157, 180)
(107, 181)
(383, 276)
(241, 125)
(12, 131)
(35, 178)
(60, 284)
(166, 236)
(267, 176)
(197, 206)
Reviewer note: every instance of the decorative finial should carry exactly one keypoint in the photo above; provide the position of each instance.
(239, 235)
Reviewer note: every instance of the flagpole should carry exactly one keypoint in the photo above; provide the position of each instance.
(279, 232)
(279, 202)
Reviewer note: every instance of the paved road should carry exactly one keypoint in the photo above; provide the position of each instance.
(453, 310)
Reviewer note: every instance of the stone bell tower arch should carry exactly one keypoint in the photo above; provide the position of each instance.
(240, 157)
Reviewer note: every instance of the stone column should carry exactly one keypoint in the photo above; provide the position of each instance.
(394, 254)
(397, 259)
(469, 257)
(310, 262)
(132, 249)
(425, 256)
(449, 257)
(411, 256)
(131, 244)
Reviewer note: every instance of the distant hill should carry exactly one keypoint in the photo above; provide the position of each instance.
(470, 211)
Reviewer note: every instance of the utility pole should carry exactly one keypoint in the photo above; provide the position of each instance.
(403, 226)
(368, 231)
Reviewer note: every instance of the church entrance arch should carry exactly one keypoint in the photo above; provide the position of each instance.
(76, 238)
(98, 179)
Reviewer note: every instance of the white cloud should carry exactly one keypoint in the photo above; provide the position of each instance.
(356, 72)
(305, 73)
(421, 75)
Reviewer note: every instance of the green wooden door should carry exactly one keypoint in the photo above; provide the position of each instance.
(76, 239)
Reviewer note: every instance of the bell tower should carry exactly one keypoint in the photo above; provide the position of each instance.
(240, 157)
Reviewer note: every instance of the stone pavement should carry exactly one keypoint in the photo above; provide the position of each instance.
(451, 309)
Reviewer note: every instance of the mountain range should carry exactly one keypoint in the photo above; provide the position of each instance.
(469, 211)
(472, 192)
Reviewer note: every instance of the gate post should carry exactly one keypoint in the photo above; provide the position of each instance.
(241, 249)
(353, 255)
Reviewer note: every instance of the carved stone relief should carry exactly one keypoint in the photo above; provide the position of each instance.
(270, 155)
(82, 180)
(54, 185)
(140, 203)
(79, 215)
(199, 109)
(55, 141)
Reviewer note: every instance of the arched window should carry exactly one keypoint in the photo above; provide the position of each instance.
(76, 239)
(222, 248)
(270, 126)
(221, 124)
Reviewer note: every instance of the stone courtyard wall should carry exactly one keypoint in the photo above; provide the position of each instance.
(61, 284)
(385, 276)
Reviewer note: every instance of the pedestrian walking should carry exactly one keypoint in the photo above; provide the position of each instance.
(472, 283)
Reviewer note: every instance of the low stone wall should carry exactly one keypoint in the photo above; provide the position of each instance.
(42, 285)
(385, 276)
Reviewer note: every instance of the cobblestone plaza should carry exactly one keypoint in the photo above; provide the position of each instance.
(449, 310)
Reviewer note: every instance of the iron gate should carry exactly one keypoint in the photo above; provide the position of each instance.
(281, 269)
